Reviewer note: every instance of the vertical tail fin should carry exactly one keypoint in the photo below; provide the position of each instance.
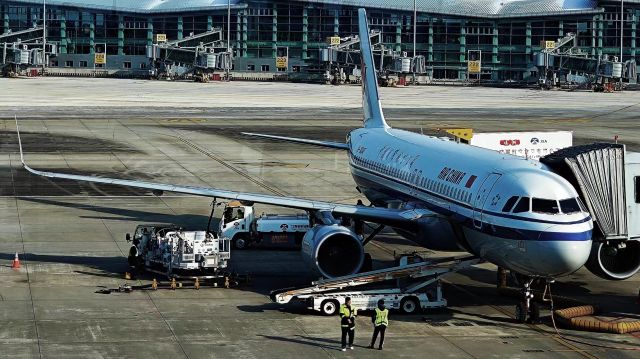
(373, 116)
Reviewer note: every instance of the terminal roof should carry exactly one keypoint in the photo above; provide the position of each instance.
(473, 8)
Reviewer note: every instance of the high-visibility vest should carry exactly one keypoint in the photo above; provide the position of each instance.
(382, 317)
(347, 313)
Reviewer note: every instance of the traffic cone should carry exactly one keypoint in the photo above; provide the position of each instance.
(16, 262)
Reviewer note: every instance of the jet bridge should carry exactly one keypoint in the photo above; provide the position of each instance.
(608, 180)
(562, 62)
(197, 55)
(22, 49)
(338, 62)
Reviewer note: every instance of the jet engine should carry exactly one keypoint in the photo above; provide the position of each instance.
(332, 250)
(614, 262)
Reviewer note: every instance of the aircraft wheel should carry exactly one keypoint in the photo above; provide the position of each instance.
(534, 313)
(521, 313)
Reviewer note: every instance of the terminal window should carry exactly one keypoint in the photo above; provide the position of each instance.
(265, 68)
(68, 64)
(143, 65)
(126, 64)
(636, 179)
(251, 67)
(83, 64)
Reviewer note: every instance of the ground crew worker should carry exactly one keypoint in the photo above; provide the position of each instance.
(380, 321)
(348, 315)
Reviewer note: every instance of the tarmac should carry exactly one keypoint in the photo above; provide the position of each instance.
(70, 236)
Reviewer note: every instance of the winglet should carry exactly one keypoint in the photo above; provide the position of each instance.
(373, 116)
(19, 140)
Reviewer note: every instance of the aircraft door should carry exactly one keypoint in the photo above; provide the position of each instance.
(481, 198)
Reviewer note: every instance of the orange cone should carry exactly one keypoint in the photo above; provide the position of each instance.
(16, 262)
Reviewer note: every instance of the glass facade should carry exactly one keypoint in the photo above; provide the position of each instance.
(261, 28)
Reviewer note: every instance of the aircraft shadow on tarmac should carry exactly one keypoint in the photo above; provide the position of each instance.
(187, 221)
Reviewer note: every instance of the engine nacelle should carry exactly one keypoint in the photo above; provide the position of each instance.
(332, 250)
(610, 262)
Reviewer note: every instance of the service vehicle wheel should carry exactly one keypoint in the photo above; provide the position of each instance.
(409, 305)
(329, 307)
(239, 243)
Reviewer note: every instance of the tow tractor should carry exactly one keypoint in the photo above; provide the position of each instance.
(422, 291)
(244, 228)
(174, 252)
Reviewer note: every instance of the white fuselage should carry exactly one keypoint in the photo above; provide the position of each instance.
(475, 194)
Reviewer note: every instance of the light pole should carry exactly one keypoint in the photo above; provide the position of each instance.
(415, 22)
(228, 65)
(621, 27)
(44, 35)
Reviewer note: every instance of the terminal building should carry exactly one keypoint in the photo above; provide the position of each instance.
(503, 34)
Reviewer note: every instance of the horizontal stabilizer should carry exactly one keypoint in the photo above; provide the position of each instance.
(329, 144)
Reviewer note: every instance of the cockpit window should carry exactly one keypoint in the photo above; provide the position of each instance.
(522, 206)
(540, 205)
(509, 204)
(570, 206)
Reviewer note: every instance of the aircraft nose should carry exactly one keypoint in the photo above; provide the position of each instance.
(558, 258)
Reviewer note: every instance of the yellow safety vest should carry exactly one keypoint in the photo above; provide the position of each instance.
(382, 317)
(346, 313)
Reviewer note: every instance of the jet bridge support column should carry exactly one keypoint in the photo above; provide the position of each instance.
(209, 23)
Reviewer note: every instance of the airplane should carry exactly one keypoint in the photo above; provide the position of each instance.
(510, 211)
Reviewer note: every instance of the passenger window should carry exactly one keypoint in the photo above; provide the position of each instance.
(522, 206)
(509, 204)
(540, 205)
(569, 205)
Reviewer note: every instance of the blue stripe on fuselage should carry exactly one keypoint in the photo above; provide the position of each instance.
(458, 203)
(483, 227)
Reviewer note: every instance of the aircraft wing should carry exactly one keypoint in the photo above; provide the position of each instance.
(392, 217)
(330, 144)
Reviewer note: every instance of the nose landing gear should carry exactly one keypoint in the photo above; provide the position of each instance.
(527, 311)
